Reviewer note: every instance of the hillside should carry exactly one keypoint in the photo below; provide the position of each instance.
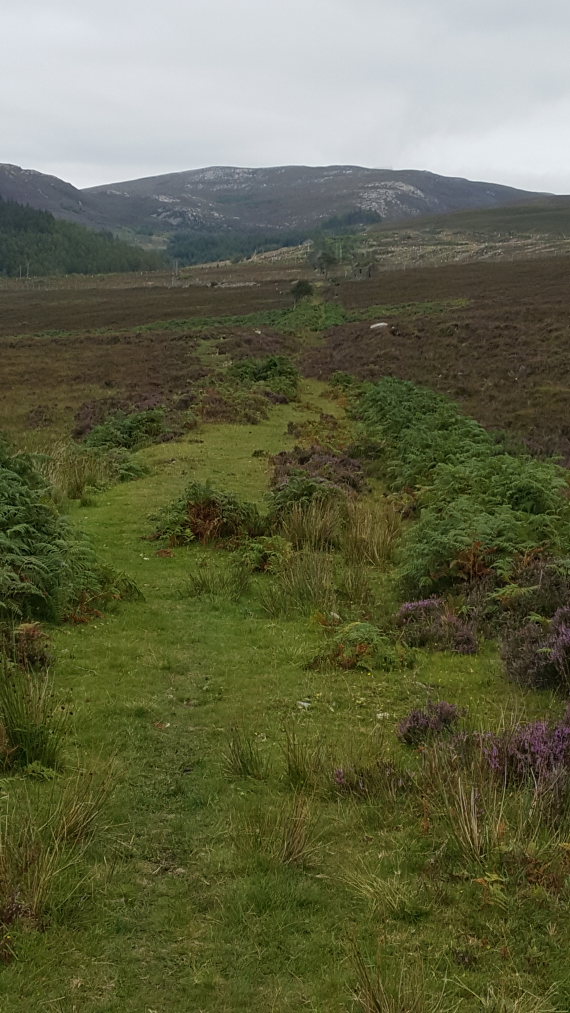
(280, 199)
(544, 216)
(48, 193)
(33, 243)
(289, 197)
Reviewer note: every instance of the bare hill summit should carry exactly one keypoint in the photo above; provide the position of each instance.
(285, 198)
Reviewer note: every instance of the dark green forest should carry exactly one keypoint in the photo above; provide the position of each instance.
(200, 246)
(35, 243)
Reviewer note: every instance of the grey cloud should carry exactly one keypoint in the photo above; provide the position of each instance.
(100, 92)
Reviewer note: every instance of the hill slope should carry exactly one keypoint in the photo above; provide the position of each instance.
(289, 197)
(544, 216)
(48, 193)
(283, 198)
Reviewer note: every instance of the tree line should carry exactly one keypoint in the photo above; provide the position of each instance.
(35, 243)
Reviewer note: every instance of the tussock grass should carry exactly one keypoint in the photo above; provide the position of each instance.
(371, 532)
(72, 471)
(82, 804)
(355, 589)
(315, 525)
(32, 719)
(380, 990)
(210, 582)
(468, 803)
(392, 896)
(301, 583)
(289, 835)
(296, 840)
(42, 843)
(242, 756)
(495, 1000)
(305, 761)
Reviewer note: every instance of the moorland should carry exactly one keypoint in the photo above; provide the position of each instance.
(284, 607)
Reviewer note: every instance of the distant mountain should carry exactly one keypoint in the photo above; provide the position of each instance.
(48, 193)
(282, 199)
(289, 198)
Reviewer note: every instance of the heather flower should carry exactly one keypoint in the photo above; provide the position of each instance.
(431, 623)
(536, 751)
(421, 725)
(539, 657)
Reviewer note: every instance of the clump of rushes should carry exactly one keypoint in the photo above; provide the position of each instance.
(32, 720)
(314, 525)
(300, 584)
(242, 756)
(393, 990)
(372, 531)
(423, 724)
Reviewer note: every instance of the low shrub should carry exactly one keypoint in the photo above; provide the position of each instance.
(529, 752)
(325, 431)
(301, 289)
(128, 431)
(424, 724)
(317, 462)
(361, 645)
(481, 509)
(123, 466)
(275, 372)
(537, 654)
(258, 555)
(227, 402)
(299, 489)
(27, 645)
(536, 584)
(205, 515)
(430, 622)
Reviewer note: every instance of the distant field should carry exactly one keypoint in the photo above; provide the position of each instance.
(493, 336)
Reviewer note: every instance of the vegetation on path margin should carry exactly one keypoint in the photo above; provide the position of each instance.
(271, 848)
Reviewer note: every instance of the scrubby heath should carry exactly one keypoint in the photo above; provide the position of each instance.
(310, 746)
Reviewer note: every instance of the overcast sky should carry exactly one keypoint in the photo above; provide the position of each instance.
(106, 90)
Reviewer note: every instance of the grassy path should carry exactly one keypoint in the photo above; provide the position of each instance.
(182, 914)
